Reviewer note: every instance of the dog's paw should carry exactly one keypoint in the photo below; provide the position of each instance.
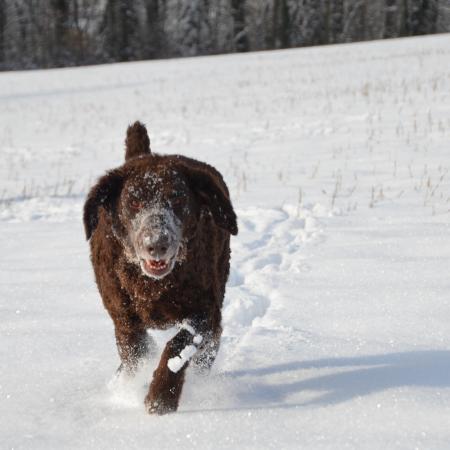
(203, 361)
(160, 406)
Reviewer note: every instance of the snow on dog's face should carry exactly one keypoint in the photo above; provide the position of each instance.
(155, 212)
(156, 239)
(153, 205)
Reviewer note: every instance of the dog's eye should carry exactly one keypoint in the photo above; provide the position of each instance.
(136, 205)
(177, 197)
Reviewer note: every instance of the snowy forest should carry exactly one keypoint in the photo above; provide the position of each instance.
(58, 33)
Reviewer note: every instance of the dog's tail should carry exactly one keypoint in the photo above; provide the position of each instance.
(137, 142)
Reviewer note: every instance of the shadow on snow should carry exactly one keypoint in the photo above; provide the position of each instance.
(357, 377)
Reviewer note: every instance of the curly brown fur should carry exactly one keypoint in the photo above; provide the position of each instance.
(159, 230)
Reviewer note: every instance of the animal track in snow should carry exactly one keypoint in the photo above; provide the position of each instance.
(266, 253)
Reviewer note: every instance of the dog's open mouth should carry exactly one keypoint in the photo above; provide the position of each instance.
(156, 268)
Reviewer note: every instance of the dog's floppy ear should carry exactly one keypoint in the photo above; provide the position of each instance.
(213, 193)
(104, 194)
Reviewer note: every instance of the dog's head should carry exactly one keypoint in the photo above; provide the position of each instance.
(154, 204)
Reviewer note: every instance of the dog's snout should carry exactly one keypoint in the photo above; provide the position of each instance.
(157, 236)
(157, 246)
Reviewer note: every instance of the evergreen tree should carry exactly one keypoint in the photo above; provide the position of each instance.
(154, 45)
(391, 22)
(2, 32)
(240, 36)
(61, 46)
(120, 30)
(188, 27)
(335, 21)
(49, 33)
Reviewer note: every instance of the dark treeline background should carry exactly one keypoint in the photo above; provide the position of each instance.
(55, 33)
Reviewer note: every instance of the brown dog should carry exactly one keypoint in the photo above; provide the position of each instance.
(159, 230)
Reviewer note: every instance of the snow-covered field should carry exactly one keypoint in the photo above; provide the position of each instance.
(337, 312)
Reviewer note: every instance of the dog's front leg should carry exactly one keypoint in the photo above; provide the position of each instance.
(168, 378)
(133, 343)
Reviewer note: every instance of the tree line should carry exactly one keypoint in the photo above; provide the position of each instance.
(58, 33)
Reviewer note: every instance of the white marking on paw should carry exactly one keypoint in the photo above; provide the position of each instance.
(176, 363)
(186, 325)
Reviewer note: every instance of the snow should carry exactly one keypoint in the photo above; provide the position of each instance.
(337, 311)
